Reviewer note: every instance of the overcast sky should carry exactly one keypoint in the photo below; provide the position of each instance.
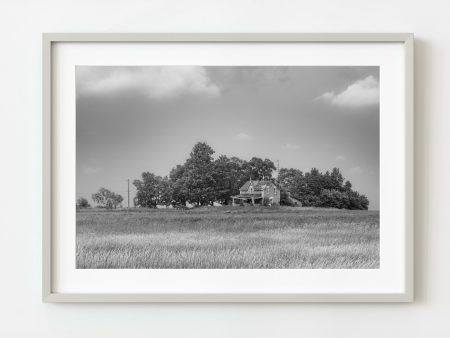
(135, 119)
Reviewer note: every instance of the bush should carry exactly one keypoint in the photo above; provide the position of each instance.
(310, 200)
(357, 201)
(331, 198)
(284, 198)
(83, 203)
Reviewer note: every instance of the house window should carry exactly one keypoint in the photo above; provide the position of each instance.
(251, 190)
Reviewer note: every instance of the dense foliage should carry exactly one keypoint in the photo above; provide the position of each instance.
(203, 180)
(82, 203)
(315, 189)
(107, 199)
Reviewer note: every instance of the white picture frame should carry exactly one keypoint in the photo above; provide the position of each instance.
(49, 294)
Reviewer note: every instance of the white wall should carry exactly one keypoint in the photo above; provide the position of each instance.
(21, 312)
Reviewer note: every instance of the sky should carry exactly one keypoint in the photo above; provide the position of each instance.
(134, 119)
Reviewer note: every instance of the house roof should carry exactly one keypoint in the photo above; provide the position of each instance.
(263, 183)
(247, 185)
(256, 184)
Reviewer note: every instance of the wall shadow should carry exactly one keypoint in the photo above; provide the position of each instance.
(422, 133)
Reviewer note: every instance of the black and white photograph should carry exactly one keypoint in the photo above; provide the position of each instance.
(227, 167)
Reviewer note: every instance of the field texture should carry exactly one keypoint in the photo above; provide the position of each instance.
(228, 238)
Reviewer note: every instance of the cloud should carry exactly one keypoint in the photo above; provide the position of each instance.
(355, 170)
(243, 137)
(340, 158)
(91, 171)
(155, 82)
(361, 93)
(291, 146)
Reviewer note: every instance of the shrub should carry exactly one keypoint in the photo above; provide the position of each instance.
(284, 198)
(83, 203)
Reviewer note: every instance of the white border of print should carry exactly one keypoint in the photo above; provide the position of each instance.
(392, 282)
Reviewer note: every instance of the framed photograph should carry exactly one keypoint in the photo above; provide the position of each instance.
(228, 167)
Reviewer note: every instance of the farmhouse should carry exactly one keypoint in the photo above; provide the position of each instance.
(257, 192)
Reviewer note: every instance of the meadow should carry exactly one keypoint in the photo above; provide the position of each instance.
(227, 238)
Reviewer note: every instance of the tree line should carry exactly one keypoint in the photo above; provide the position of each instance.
(202, 180)
(316, 189)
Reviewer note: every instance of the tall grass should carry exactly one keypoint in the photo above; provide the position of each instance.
(228, 238)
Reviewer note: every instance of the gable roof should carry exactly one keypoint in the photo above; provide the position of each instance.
(247, 185)
(258, 185)
(263, 183)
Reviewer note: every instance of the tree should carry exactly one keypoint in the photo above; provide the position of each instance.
(240, 173)
(292, 180)
(261, 169)
(152, 190)
(82, 203)
(229, 175)
(337, 180)
(347, 186)
(177, 184)
(197, 183)
(224, 180)
(107, 198)
(313, 182)
(117, 200)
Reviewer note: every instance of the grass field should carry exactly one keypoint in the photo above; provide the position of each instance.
(228, 238)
